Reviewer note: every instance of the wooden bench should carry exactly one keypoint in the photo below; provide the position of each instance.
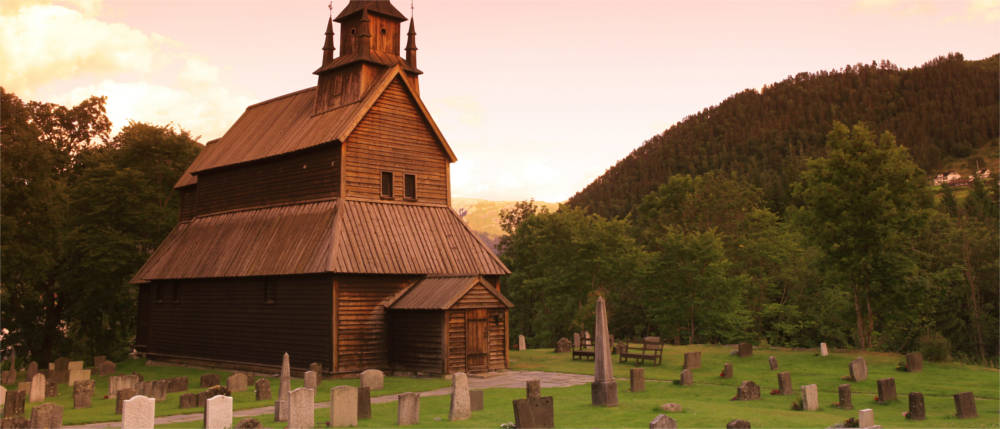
(585, 351)
(651, 350)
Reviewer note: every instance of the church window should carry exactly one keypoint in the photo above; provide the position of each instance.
(410, 187)
(386, 184)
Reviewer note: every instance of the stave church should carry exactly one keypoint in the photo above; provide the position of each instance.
(320, 224)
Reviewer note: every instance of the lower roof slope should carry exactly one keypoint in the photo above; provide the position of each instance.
(336, 236)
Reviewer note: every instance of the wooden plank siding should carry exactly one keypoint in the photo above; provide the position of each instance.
(301, 176)
(415, 340)
(189, 202)
(394, 136)
(498, 339)
(456, 341)
(361, 321)
(230, 320)
(478, 297)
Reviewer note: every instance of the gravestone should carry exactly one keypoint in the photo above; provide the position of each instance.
(60, 374)
(31, 370)
(78, 375)
(51, 389)
(576, 340)
(189, 400)
(14, 404)
(61, 363)
(3, 397)
(177, 384)
(965, 406)
(533, 388)
(364, 403)
(672, 407)
(46, 416)
(637, 380)
(738, 424)
(373, 379)
(107, 368)
(858, 369)
(237, 382)
(866, 418)
(784, 383)
(563, 345)
(747, 391)
(917, 410)
(914, 362)
(24, 386)
(772, 362)
(844, 397)
(886, 390)
(262, 389)
(823, 350)
(317, 368)
(662, 421)
(16, 422)
(83, 392)
(119, 382)
(692, 360)
(37, 392)
(534, 413)
(302, 408)
(284, 389)
(343, 406)
(686, 378)
(604, 389)
(521, 344)
(461, 408)
(745, 350)
(209, 380)
(138, 413)
(249, 423)
(309, 379)
(123, 395)
(408, 409)
(158, 389)
(727, 371)
(8, 376)
(212, 391)
(218, 412)
(810, 397)
(74, 365)
(476, 400)
(98, 360)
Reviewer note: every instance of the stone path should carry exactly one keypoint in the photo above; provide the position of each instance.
(507, 379)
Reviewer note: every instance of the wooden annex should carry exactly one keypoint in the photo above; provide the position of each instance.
(320, 225)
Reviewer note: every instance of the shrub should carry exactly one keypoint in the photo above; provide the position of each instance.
(935, 347)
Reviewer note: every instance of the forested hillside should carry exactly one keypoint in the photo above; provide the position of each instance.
(943, 110)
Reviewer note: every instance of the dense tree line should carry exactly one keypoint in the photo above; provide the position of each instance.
(81, 212)
(944, 109)
(863, 256)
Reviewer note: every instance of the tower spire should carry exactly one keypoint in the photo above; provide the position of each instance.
(411, 45)
(328, 44)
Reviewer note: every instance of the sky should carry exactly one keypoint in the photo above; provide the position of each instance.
(536, 97)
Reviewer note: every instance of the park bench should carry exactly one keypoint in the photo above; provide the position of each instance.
(650, 350)
(585, 350)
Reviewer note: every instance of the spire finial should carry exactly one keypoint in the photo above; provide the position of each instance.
(411, 44)
(330, 6)
(328, 47)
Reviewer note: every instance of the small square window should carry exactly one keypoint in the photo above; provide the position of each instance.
(410, 187)
(270, 291)
(386, 184)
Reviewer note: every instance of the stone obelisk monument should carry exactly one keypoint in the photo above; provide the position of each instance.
(281, 406)
(604, 390)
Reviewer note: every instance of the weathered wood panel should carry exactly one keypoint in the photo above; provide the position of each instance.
(301, 176)
(477, 297)
(410, 148)
(361, 321)
(143, 325)
(189, 202)
(477, 343)
(456, 341)
(497, 339)
(230, 320)
(415, 340)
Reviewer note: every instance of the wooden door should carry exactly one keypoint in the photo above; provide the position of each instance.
(477, 351)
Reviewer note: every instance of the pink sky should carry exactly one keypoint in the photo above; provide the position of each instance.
(536, 97)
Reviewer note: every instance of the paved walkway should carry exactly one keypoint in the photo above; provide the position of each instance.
(508, 379)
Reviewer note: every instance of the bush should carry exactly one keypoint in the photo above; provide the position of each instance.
(935, 347)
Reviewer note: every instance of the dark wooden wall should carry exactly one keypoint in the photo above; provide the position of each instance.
(361, 320)
(189, 202)
(394, 137)
(229, 320)
(415, 340)
(306, 175)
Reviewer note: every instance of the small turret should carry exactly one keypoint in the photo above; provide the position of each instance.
(328, 44)
(411, 46)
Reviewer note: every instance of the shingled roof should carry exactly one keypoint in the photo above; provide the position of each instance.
(382, 7)
(336, 236)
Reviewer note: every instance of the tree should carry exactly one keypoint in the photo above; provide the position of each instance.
(861, 203)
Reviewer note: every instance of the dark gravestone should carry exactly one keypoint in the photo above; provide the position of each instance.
(15, 422)
(209, 380)
(31, 370)
(364, 402)
(189, 400)
(965, 406)
(122, 396)
(58, 376)
(637, 380)
(886, 390)
(177, 384)
(14, 403)
(858, 369)
(745, 350)
(563, 345)
(107, 368)
(262, 390)
(727, 371)
(62, 364)
(738, 424)
(844, 397)
(51, 389)
(83, 391)
(533, 389)
(476, 400)
(914, 362)
(686, 378)
(663, 421)
(46, 416)
(692, 360)
(747, 391)
(98, 360)
(785, 383)
(534, 413)
(916, 411)
(772, 362)
(249, 424)
(318, 369)
(212, 391)
(158, 390)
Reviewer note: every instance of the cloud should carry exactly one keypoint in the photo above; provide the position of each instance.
(986, 9)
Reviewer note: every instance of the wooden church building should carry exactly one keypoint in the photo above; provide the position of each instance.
(320, 224)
